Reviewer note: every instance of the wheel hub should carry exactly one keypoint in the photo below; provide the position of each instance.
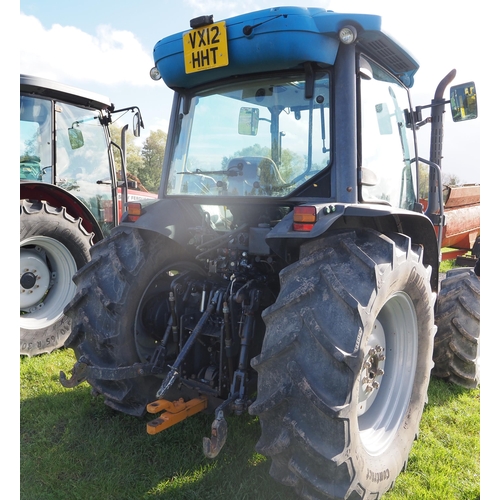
(28, 280)
(372, 371)
(35, 277)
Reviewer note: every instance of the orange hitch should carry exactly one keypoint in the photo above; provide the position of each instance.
(173, 412)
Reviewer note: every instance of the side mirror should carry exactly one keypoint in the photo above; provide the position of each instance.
(137, 124)
(463, 102)
(383, 119)
(248, 122)
(75, 138)
(131, 184)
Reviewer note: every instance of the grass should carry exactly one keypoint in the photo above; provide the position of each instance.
(74, 447)
(446, 265)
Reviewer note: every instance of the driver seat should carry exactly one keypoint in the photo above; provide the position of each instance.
(252, 175)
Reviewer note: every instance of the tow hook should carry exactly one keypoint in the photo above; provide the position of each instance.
(78, 375)
(173, 412)
(213, 444)
(177, 411)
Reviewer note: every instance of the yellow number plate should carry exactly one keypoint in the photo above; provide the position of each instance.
(205, 48)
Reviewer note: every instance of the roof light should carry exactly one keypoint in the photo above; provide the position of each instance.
(154, 74)
(200, 21)
(304, 218)
(348, 34)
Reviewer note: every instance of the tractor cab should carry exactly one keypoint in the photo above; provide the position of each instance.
(288, 86)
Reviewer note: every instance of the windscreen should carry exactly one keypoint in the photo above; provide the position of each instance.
(261, 138)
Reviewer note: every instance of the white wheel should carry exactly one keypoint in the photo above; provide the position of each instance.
(53, 246)
(47, 268)
(388, 373)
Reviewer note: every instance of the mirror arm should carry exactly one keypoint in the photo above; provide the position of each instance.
(423, 122)
(417, 114)
(131, 108)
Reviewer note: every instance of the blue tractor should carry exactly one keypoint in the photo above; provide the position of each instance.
(288, 267)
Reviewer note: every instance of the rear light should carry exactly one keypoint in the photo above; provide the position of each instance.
(304, 218)
(134, 211)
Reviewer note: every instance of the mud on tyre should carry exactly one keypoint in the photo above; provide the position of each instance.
(345, 365)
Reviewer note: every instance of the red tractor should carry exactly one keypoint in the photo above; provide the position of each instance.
(70, 198)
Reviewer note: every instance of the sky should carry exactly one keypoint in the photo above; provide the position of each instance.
(107, 47)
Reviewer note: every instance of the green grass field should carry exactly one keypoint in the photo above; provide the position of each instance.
(74, 447)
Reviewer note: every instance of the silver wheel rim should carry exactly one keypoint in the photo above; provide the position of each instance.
(388, 372)
(47, 269)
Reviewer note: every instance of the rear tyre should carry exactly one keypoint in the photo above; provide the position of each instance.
(120, 312)
(345, 365)
(476, 248)
(456, 348)
(53, 245)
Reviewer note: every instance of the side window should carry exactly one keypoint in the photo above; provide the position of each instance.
(82, 160)
(81, 145)
(35, 139)
(386, 144)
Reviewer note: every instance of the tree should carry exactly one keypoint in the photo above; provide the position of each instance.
(423, 181)
(446, 179)
(134, 160)
(450, 179)
(152, 154)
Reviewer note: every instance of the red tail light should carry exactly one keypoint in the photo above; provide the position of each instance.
(134, 211)
(304, 218)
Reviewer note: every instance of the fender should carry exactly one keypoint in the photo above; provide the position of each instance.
(170, 217)
(173, 218)
(58, 197)
(286, 242)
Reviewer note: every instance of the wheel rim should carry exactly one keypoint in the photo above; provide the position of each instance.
(388, 372)
(46, 271)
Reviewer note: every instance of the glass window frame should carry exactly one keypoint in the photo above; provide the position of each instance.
(184, 134)
(404, 178)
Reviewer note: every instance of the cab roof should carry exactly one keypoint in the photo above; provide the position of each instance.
(55, 90)
(283, 38)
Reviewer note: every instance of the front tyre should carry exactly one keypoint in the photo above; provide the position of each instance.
(345, 365)
(53, 246)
